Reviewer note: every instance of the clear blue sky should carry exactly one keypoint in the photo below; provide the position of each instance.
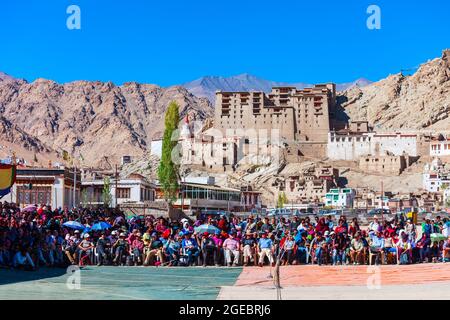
(171, 42)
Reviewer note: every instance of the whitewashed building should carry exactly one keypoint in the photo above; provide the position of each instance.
(440, 148)
(353, 146)
(340, 198)
(435, 177)
(133, 189)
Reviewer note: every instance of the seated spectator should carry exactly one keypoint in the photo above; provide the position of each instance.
(190, 247)
(249, 248)
(265, 248)
(231, 249)
(209, 249)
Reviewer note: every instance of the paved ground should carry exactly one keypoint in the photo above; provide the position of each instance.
(118, 283)
(420, 281)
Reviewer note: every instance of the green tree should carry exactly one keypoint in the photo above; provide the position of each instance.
(84, 197)
(106, 194)
(168, 170)
(282, 200)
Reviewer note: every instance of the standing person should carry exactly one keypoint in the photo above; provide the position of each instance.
(231, 247)
(410, 229)
(265, 248)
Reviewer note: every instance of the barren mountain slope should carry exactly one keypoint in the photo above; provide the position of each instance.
(419, 101)
(94, 118)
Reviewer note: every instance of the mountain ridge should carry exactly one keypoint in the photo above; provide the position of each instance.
(206, 86)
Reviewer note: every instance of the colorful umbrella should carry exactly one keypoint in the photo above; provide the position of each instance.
(206, 228)
(100, 226)
(73, 225)
(436, 237)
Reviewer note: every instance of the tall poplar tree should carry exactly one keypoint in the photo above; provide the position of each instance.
(168, 170)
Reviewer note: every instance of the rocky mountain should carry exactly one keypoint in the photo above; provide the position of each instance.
(5, 77)
(94, 119)
(207, 86)
(417, 101)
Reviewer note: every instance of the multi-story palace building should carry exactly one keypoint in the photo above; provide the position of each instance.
(301, 117)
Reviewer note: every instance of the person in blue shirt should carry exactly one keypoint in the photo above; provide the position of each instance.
(377, 246)
(265, 248)
(190, 247)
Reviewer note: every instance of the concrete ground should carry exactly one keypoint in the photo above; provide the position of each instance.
(419, 281)
(123, 283)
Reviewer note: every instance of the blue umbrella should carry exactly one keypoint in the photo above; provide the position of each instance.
(206, 228)
(101, 226)
(73, 225)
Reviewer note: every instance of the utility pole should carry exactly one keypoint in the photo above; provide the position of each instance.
(115, 191)
(382, 202)
(182, 192)
(74, 186)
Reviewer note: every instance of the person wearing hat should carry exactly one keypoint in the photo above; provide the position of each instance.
(209, 249)
(374, 225)
(265, 248)
(71, 246)
(120, 248)
(356, 249)
(190, 247)
(249, 247)
(172, 248)
(154, 251)
(85, 249)
(377, 246)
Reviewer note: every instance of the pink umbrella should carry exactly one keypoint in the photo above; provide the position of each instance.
(29, 208)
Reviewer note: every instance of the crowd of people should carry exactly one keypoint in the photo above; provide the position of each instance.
(39, 236)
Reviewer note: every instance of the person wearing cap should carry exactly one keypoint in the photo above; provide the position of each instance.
(231, 247)
(121, 248)
(249, 247)
(172, 249)
(85, 248)
(209, 249)
(189, 247)
(265, 249)
(377, 246)
(71, 246)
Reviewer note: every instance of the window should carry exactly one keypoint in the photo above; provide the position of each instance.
(123, 193)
